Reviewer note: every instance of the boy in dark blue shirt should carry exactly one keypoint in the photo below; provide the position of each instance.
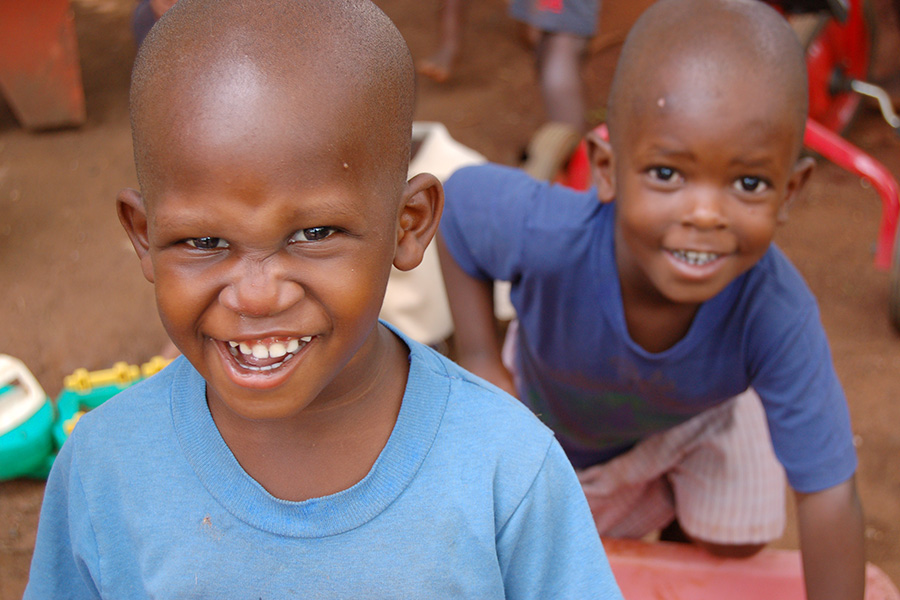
(651, 323)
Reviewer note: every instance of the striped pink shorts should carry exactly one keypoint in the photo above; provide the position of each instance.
(717, 473)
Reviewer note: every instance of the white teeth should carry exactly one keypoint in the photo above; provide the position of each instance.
(262, 351)
(694, 257)
(266, 368)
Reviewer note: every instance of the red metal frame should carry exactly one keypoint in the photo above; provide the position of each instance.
(844, 48)
(844, 154)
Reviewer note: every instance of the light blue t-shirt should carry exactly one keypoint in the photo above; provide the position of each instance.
(470, 498)
(592, 384)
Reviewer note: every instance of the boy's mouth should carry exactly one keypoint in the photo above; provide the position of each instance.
(695, 257)
(266, 354)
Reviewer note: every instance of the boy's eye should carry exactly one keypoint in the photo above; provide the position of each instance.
(751, 184)
(667, 174)
(207, 243)
(312, 234)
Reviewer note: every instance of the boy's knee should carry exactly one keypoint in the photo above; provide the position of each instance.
(730, 550)
(673, 532)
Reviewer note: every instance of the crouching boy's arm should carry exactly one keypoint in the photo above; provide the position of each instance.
(475, 333)
(831, 542)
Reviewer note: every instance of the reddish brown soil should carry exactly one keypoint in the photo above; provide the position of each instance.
(73, 295)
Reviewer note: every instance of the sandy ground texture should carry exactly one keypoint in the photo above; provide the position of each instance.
(73, 295)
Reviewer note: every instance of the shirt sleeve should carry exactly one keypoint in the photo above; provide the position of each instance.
(483, 224)
(549, 547)
(793, 373)
(65, 563)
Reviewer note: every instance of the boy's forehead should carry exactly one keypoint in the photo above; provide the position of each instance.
(242, 116)
(703, 51)
(238, 72)
(227, 96)
(701, 79)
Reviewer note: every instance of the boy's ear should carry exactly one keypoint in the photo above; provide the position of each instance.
(802, 171)
(600, 156)
(420, 213)
(133, 216)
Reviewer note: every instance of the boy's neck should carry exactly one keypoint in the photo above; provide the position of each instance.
(658, 325)
(322, 452)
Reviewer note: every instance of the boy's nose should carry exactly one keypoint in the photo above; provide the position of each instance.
(706, 208)
(261, 289)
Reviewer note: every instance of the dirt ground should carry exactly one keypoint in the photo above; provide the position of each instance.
(74, 297)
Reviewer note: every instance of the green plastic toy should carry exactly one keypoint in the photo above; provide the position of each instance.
(85, 390)
(32, 429)
(26, 422)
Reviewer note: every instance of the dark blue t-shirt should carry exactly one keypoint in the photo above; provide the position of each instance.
(600, 391)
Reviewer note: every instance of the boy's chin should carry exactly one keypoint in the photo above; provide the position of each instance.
(691, 294)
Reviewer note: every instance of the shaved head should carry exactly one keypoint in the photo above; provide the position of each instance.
(342, 58)
(716, 43)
